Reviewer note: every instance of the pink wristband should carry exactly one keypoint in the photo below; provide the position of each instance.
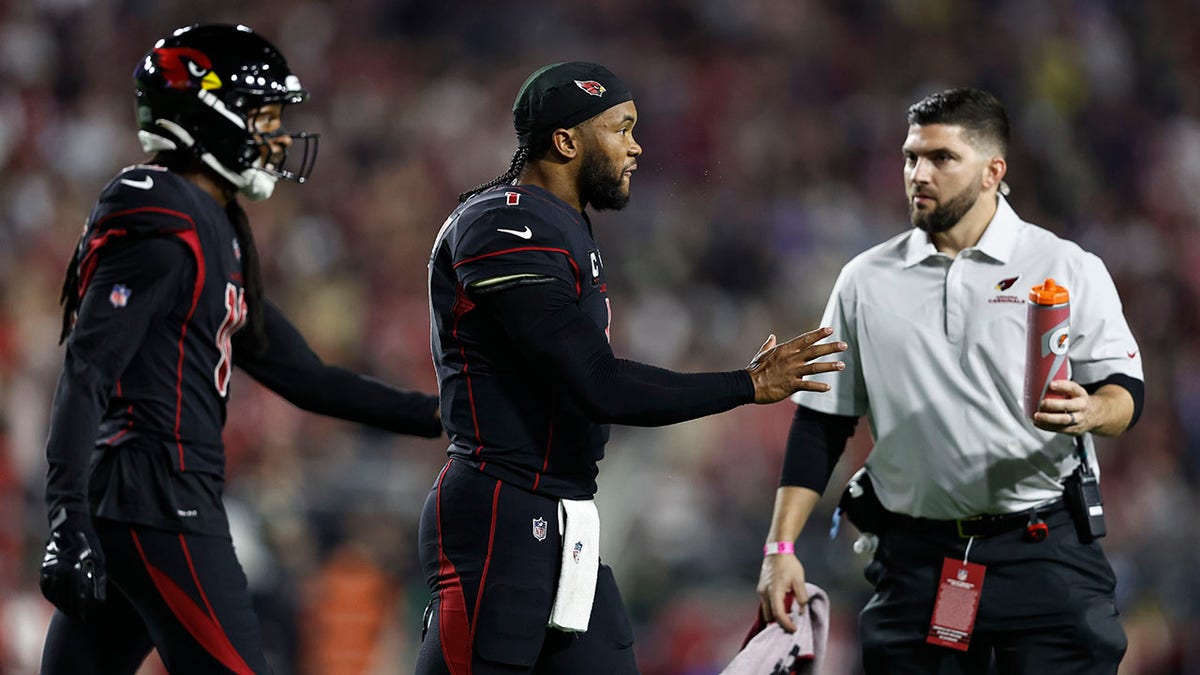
(777, 547)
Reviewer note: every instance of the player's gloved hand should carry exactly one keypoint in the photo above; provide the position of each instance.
(73, 576)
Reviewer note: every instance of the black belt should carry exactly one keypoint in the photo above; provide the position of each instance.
(988, 525)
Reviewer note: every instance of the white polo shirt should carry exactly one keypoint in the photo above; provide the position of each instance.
(937, 357)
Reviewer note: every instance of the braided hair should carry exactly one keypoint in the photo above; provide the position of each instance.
(536, 149)
(514, 172)
(256, 340)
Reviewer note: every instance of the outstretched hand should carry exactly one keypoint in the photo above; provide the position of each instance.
(779, 370)
(72, 575)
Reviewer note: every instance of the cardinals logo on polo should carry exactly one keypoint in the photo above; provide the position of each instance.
(186, 68)
(1006, 284)
(592, 87)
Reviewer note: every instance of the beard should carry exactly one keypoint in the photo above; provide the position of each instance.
(600, 183)
(945, 215)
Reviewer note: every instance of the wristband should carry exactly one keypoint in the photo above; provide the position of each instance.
(777, 547)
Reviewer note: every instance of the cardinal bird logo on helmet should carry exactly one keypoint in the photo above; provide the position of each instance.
(183, 67)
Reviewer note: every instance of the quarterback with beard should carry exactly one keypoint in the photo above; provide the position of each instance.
(960, 480)
(509, 534)
(163, 297)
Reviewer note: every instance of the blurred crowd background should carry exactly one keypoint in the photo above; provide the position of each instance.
(772, 133)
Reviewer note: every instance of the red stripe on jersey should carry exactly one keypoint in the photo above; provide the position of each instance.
(453, 624)
(549, 439)
(129, 411)
(192, 240)
(570, 259)
(462, 305)
(204, 627)
(87, 263)
(487, 559)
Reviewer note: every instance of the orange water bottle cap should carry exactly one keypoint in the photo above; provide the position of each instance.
(1049, 293)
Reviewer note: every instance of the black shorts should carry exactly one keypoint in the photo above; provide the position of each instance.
(182, 594)
(491, 554)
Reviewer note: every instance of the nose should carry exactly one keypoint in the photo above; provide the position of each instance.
(635, 149)
(919, 171)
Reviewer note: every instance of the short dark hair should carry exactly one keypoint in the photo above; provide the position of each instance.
(978, 112)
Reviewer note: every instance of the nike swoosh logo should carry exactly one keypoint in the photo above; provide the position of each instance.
(144, 184)
(524, 234)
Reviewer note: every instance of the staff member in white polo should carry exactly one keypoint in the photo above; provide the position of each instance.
(935, 319)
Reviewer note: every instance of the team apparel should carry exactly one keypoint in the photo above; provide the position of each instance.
(520, 319)
(135, 435)
(987, 457)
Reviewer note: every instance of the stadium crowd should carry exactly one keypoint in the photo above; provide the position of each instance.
(772, 136)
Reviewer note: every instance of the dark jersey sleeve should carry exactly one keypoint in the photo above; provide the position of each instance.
(551, 330)
(290, 368)
(134, 282)
(513, 242)
(814, 445)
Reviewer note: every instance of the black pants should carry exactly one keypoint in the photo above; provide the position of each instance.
(1045, 607)
(184, 595)
(491, 555)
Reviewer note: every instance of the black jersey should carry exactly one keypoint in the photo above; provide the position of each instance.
(520, 316)
(146, 377)
(503, 413)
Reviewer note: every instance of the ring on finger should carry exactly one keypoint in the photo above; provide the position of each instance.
(1072, 416)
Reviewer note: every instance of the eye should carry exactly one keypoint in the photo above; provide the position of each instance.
(196, 70)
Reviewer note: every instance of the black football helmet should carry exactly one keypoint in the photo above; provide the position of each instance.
(194, 91)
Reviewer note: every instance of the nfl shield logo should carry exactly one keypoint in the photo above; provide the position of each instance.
(539, 529)
(119, 295)
(962, 575)
(592, 87)
(237, 250)
(576, 550)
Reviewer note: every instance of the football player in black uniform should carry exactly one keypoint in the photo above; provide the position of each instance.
(162, 298)
(520, 316)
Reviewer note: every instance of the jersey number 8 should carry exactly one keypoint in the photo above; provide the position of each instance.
(235, 318)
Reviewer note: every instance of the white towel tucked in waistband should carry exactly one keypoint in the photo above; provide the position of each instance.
(580, 565)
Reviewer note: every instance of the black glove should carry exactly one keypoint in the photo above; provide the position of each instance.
(73, 576)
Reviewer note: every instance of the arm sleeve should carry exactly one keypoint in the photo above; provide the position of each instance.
(134, 284)
(814, 445)
(1135, 387)
(546, 324)
(290, 368)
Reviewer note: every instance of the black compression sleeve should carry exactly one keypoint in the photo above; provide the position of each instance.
(1135, 387)
(109, 330)
(814, 445)
(550, 329)
(290, 368)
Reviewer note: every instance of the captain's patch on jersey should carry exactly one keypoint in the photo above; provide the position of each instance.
(119, 295)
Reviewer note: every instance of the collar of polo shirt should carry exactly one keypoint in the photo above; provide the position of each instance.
(998, 240)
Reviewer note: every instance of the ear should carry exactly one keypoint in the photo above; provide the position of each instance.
(566, 142)
(993, 172)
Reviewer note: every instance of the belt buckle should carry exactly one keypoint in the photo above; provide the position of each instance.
(958, 524)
